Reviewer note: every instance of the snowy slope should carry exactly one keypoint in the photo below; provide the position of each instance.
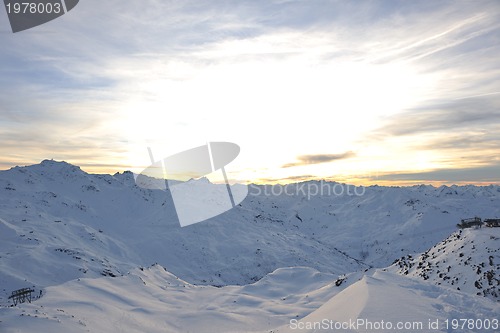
(437, 290)
(154, 300)
(468, 260)
(387, 302)
(288, 300)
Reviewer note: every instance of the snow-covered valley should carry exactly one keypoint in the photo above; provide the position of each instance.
(107, 256)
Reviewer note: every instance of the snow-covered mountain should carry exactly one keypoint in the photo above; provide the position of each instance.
(98, 246)
(468, 260)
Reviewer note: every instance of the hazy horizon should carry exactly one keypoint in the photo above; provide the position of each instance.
(373, 182)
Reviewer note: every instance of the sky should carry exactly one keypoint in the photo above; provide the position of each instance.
(363, 92)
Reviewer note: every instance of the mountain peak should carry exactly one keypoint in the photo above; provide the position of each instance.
(59, 166)
(52, 168)
(53, 162)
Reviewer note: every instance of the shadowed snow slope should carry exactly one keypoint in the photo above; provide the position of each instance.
(387, 302)
(288, 300)
(154, 300)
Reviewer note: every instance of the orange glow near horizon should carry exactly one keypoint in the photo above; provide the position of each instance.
(111, 169)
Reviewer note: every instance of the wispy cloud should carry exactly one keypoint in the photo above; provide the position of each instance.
(297, 178)
(318, 159)
(449, 116)
(486, 174)
(458, 134)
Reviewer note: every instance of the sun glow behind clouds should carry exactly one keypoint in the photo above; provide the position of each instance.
(257, 92)
(385, 82)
